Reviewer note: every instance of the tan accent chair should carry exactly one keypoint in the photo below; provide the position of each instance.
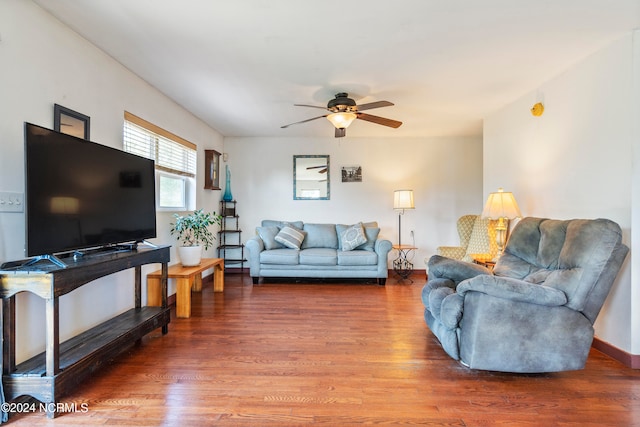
(477, 240)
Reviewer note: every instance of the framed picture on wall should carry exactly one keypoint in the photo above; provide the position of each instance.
(211, 170)
(70, 122)
(352, 174)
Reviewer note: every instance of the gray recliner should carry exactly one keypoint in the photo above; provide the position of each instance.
(535, 311)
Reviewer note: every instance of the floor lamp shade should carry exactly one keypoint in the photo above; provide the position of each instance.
(402, 199)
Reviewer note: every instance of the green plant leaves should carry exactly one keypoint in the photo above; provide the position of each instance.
(193, 229)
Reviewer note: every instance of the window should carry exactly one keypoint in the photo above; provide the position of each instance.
(175, 161)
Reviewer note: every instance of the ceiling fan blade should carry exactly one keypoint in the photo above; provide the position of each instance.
(311, 106)
(340, 132)
(315, 167)
(303, 121)
(376, 104)
(379, 120)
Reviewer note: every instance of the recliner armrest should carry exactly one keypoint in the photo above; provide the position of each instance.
(453, 269)
(514, 290)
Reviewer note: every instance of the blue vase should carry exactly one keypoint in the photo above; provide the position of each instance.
(227, 197)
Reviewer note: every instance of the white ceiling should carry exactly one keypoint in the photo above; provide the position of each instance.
(241, 65)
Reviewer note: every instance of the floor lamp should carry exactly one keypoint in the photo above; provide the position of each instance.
(402, 199)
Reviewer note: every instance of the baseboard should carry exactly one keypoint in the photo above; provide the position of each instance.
(171, 300)
(627, 359)
(235, 270)
(238, 270)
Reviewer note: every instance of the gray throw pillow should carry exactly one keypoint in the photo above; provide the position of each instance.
(372, 235)
(268, 236)
(353, 237)
(290, 237)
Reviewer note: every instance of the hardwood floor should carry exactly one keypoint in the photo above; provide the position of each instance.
(336, 354)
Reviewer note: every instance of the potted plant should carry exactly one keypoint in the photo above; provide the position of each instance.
(192, 231)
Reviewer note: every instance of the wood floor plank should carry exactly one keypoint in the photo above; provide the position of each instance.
(283, 353)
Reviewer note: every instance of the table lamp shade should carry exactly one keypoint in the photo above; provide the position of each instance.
(501, 205)
(403, 199)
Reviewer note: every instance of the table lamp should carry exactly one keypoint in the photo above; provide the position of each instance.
(501, 206)
(402, 199)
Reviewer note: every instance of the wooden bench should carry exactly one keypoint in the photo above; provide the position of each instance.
(188, 278)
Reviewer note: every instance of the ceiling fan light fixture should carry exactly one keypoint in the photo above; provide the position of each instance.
(341, 120)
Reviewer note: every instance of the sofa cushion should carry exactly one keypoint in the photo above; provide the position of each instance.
(371, 233)
(352, 237)
(353, 258)
(318, 256)
(320, 236)
(268, 236)
(280, 256)
(281, 224)
(290, 237)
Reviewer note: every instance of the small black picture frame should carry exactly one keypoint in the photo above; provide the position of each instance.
(352, 174)
(211, 170)
(70, 122)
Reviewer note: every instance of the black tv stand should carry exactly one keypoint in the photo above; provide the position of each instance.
(57, 371)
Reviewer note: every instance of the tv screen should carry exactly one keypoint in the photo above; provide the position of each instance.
(80, 194)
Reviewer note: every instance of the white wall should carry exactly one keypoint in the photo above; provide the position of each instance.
(445, 174)
(577, 161)
(42, 62)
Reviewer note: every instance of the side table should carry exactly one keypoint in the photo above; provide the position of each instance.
(188, 278)
(402, 264)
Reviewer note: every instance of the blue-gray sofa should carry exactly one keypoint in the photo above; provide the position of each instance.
(311, 250)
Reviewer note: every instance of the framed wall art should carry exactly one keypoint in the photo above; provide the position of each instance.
(70, 122)
(352, 174)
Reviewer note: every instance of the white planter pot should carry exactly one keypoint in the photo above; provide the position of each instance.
(190, 255)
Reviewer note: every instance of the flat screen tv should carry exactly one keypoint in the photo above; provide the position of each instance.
(80, 194)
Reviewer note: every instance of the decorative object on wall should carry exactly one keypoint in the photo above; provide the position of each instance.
(402, 199)
(227, 197)
(352, 174)
(70, 122)
(211, 170)
(503, 207)
(537, 109)
(343, 111)
(311, 177)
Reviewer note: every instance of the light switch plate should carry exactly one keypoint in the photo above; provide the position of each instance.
(11, 201)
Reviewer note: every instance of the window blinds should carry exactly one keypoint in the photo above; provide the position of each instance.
(170, 152)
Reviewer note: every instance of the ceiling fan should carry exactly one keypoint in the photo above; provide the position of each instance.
(343, 111)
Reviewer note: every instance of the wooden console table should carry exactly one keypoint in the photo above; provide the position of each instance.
(188, 278)
(55, 372)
